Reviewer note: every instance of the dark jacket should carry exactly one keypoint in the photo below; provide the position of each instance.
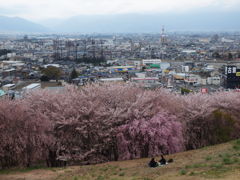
(162, 161)
(153, 163)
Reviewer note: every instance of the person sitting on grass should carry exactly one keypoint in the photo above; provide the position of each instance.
(153, 163)
(162, 161)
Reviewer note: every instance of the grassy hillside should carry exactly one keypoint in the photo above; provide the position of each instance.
(213, 162)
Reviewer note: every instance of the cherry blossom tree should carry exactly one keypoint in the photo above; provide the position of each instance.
(210, 119)
(162, 134)
(105, 122)
(23, 134)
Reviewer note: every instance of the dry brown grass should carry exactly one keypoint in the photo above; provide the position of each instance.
(214, 162)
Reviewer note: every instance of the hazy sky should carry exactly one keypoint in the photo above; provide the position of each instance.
(43, 9)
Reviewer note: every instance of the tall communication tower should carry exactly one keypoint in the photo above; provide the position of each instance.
(163, 36)
(162, 42)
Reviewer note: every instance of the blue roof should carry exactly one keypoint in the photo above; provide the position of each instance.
(82, 77)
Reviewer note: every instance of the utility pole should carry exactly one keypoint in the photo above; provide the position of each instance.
(93, 48)
(68, 46)
(76, 50)
(85, 47)
(61, 50)
(102, 53)
(55, 48)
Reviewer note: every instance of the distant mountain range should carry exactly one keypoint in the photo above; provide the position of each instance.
(128, 23)
(20, 25)
(139, 23)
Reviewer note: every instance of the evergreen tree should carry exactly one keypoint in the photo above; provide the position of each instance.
(74, 74)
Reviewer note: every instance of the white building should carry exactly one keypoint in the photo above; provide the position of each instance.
(214, 80)
(32, 87)
(8, 87)
(53, 65)
(151, 61)
(111, 80)
(185, 68)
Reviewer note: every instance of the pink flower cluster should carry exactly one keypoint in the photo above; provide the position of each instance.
(100, 123)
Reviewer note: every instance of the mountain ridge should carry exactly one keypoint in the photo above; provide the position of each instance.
(125, 23)
(150, 23)
(20, 25)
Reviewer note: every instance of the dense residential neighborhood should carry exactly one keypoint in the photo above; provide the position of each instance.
(181, 62)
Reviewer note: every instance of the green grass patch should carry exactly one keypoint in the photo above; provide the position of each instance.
(208, 158)
(199, 165)
(216, 165)
(237, 142)
(236, 145)
(235, 160)
(104, 169)
(226, 155)
(192, 173)
(75, 178)
(23, 170)
(195, 166)
(146, 178)
(100, 178)
(182, 172)
(228, 161)
(122, 174)
(115, 173)
(216, 172)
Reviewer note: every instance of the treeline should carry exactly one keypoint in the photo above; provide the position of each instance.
(4, 52)
(100, 123)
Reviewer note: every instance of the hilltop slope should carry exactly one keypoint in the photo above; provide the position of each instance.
(213, 162)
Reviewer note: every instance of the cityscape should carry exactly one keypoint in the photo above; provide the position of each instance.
(181, 62)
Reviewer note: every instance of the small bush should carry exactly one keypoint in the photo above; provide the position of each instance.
(238, 142)
(183, 172)
(227, 161)
(236, 147)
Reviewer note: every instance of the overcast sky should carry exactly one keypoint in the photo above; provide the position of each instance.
(43, 9)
